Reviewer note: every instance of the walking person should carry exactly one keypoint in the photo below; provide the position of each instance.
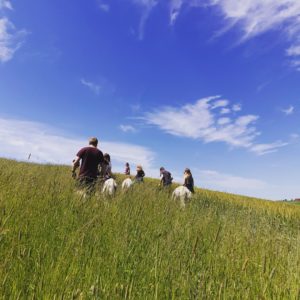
(127, 169)
(188, 180)
(88, 159)
(107, 167)
(166, 177)
(140, 174)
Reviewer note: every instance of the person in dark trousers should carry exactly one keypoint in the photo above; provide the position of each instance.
(88, 159)
(140, 174)
(166, 177)
(188, 180)
(127, 169)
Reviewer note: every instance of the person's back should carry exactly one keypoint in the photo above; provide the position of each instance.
(166, 177)
(107, 167)
(91, 158)
(140, 174)
(127, 169)
(188, 180)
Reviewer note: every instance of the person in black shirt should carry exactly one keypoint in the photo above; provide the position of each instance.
(88, 159)
(188, 180)
(140, 174)
(166, 177)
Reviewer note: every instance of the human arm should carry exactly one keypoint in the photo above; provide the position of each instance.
(76, 164)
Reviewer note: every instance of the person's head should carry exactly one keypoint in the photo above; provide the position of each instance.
(127, 164)
(187, 171)
(139, 168)
(106, 157)
(93, 141)
(161, 169)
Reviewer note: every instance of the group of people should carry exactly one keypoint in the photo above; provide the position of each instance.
(94, 164)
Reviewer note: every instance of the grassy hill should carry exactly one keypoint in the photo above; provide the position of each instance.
(140, 244)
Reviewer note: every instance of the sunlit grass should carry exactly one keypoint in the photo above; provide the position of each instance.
(140, 245)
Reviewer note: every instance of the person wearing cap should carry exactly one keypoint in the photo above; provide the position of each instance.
(166, 177)
(140, 174)
(88, 159)
(188, 180)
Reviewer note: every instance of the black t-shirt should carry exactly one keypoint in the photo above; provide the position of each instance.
(90, 159)
(189, 183)
(166, 177)
(140, 174)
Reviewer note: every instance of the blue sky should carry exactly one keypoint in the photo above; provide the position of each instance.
(208, 84)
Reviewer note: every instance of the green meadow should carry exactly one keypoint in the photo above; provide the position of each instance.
(55, 244)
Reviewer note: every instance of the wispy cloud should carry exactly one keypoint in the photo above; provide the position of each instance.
(146, 8)
(95, 88)
(5, 4)
(11, 39)
(103, 6)
(288, 111)
(175, 8)
(262, 149)
(256, 17)
(227, 182)
(251, 17)
(294, 136)
(127, 128)
(237, 107)
(203, 121)
(19, 138)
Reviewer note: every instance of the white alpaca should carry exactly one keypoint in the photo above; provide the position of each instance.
(183, 194)
(126, 184)
(109, 187)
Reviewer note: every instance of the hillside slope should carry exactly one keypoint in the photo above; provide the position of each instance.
(140, 244)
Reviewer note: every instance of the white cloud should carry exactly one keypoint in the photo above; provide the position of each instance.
(262, 149)
(236, 107)
(202, 121)
(225, 111)
(293, 51)
(295, 64)
(127, 128)
(95, 88)
(175, 7)
(223, 121)
(255, 17)
(219, 103)
(146, 7)
(289, 110)
(251, 17)
(227, 182)
(10, 39)
(49, 145)
(5, 4)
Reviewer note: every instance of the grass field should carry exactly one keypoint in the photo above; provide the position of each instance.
(140, 244)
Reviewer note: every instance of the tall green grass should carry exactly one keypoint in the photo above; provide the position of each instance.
(140, 245)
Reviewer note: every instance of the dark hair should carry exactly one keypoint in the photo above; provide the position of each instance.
(106, 156)
(161, 168)
(127, 164)
(187, 170)
(93, 141)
